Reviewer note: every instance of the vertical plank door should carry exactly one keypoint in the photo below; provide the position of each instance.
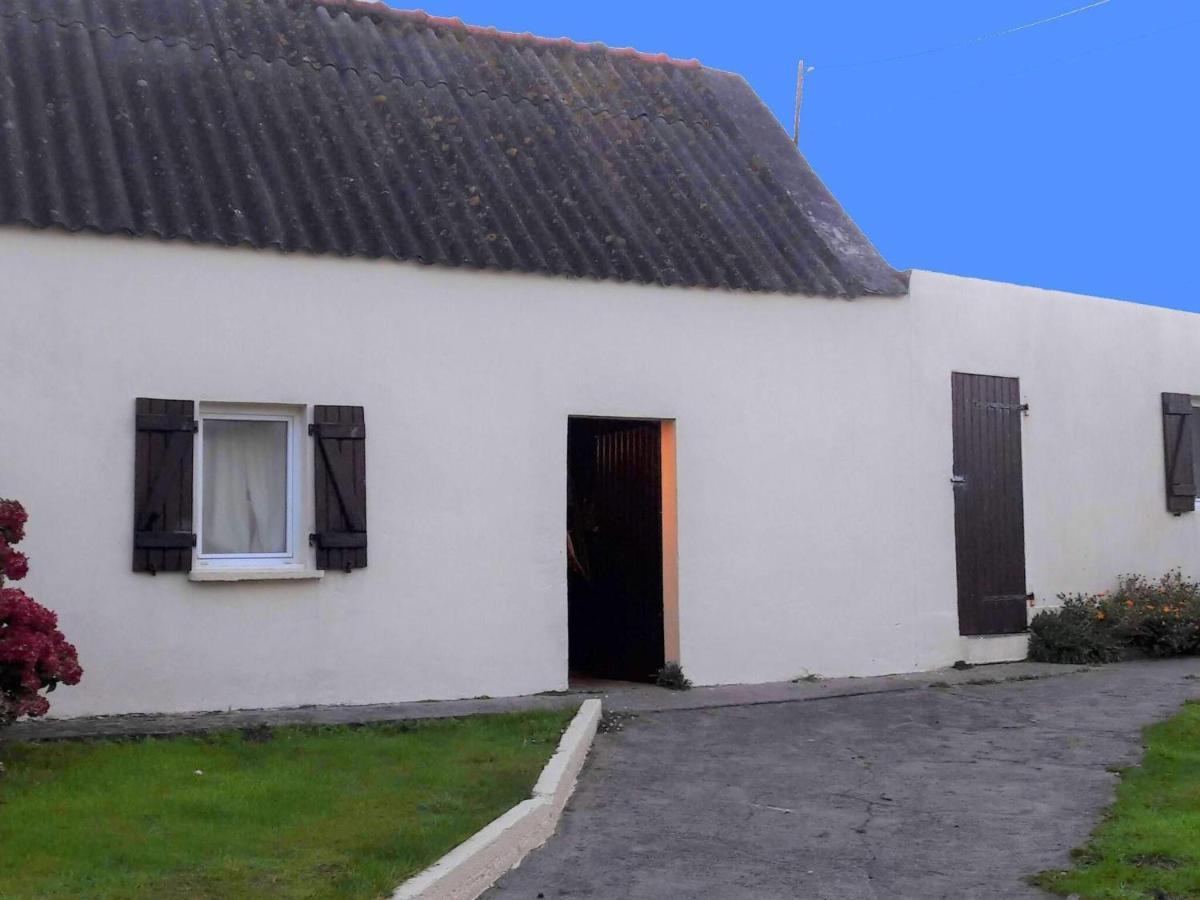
(989, 512)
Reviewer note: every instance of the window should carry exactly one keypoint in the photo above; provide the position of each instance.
(247, 478)
(221, 487)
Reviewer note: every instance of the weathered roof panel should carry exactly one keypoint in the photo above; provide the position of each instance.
(347, 127)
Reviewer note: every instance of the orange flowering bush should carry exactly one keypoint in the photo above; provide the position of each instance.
(1155, 617)
(1159, 617)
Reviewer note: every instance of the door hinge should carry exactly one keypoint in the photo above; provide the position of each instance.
(1003, 407)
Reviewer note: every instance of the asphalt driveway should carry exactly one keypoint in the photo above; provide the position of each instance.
(954, 792)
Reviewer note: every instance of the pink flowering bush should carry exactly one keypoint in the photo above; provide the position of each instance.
(34, 655)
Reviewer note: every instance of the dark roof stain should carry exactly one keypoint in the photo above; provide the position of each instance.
(349, 127)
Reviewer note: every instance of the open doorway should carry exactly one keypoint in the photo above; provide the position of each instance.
(620, 544)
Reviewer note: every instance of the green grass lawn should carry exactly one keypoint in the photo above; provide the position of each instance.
(1149, 843)
(289, 812)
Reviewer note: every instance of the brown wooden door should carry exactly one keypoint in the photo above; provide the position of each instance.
(989, 511)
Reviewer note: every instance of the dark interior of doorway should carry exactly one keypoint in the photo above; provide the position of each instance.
(614, 548)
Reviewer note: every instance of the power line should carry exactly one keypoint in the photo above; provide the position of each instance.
(1004, 32)
(1060, 60)
(1069, 12)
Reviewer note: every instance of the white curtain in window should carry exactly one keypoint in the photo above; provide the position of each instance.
(245, 486)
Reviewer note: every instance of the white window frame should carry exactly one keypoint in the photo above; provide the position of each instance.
(295, 418)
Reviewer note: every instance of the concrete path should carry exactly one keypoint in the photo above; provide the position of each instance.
(942, 792)
(618, 696)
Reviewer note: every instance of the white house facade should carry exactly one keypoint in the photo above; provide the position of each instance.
(265, 479)
(813, 463)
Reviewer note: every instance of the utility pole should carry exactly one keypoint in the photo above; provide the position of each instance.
(801, 71)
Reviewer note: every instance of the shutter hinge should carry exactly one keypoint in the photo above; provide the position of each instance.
(339, 540)
(312, 429)
(166, 422)
(164, 540)
(335, 431)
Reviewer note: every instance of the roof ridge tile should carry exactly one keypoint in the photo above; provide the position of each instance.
(317, 65)
(387, 12)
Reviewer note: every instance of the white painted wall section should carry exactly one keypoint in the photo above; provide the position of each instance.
(813, 460)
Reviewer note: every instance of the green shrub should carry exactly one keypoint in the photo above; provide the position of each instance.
(1076, 633)
(671, 676)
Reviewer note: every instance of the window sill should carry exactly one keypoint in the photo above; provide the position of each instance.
(279, 573)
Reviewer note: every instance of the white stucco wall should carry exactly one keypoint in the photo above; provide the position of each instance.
(815, 510)
(1093, 371)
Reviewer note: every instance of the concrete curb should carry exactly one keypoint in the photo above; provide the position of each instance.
(624, 698)
(474, 865)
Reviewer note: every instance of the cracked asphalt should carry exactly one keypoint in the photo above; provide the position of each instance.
(954, 792)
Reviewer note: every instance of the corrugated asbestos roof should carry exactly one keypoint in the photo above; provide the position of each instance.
(348, 127)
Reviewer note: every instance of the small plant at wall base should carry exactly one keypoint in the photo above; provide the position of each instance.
(1159, 618)
(671, 676)
(34, 655)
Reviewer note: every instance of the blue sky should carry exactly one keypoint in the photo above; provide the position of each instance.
(1063, 156)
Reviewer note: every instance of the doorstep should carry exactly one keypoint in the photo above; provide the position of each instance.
(984, 649)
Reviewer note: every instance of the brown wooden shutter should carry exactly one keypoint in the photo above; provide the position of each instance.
(340, 486)
(162, 487)
(1179, 422)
